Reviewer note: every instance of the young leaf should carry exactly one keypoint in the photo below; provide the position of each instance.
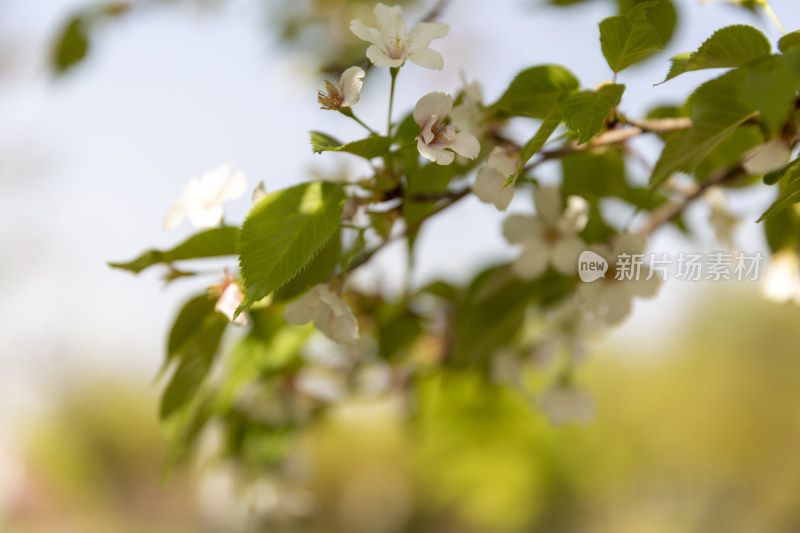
(283, 233)
(215, 242)
(716, 111)
(771, 88)
(790, 40)
(790, 194)
(535, 91)
(585, 111)
(536, 142)
(732, 46)
(71, 46)
(188, 321)
(627, 39)
(368, 148)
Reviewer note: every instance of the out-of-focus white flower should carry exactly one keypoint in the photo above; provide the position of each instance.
(569, 329)
(374, 379)
(491, 178)
(436, 138)
(469, 114)
(551, 237)
(201, 200)
(230, 298)
(327, 311)
(721, 219)
(346, 94)
(769, 157)
(259, 193)
(564, 403)
(323, 384)
(610, 298)
(392, 44)
(782, 280)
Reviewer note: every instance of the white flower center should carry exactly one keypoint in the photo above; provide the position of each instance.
(397, 46)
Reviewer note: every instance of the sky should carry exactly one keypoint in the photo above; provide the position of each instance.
(90, 163)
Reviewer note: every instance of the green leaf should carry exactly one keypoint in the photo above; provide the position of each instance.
(789, 195)
(730, 151)
(71, 46)
(732, 46)
(585, 111)
(317, 271)
(716, 111)
(397, 328)
(771, 87)
(538, 141)
(368, 148)
(283, 233)
(217, 242)
(195, 360)
(627, 39)
(189, 320)
(661, 15)
(790, 40)
(535, 91)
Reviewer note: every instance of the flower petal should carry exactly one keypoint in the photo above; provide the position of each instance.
(427, 58)
(380, 58)
(435, 153)
(531, 263)
(390, 21)
(502, 161)
(566, 253)
(229, 301)
(175, 215)
(520, 228)
(769, 157)
(304, 308)
(619, 304)
(548, 204)
(435, 104)
(629, 243)
(423, 33)
(351, 84)
(365, 33)
(235, 188)
(465, 144)
(489, 188)
(575, 215)
(205, 217)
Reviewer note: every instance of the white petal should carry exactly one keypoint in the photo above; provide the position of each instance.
(520, 228)
(630, 243)
(502, 161)
(531, 263)
(427, 58)
(436, 104)
(174, 216)
(380, 58)
(643, 287)
(259, 193)
(566, 253)
(465, 144)
(304, 308)
(206, 217)
(423, 33)
(320, 383)
(390, 20)
(548, 204)
(489, 188)
(435, 154)
(235, 188)
(768, 157)
(229, 301)
(350, 85)
(619, 304)
(364, 32)
(213, 181)
(575, 215)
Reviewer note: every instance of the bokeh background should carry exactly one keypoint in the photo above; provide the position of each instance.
(697, 395)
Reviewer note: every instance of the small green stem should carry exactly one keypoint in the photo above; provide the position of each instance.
(346, 111)
(771, 14)
(393, 71)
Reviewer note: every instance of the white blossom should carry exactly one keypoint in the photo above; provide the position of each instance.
(565, 403)
(610, 298)
(346, 94)
(230, 298)
(327, 311)
(201, 200)
(551, 237)
(469, 114)
(323, 384)
(392, 44)
(782, 280)
(491, 178)
(769, 157)
(436, 138)
(721, 219)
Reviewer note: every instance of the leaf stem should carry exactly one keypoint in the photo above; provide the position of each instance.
(346, 111)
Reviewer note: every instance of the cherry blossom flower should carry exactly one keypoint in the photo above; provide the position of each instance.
(566, 403)
(346, 94)
(782, 280)
(551, 237)
(230, 298)
(201, 200)
(769, 157)
(469, 115)
(611, 297)
(436, 138)
(721, 219)
(327, 311)
(491, 178)
(392, 44)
